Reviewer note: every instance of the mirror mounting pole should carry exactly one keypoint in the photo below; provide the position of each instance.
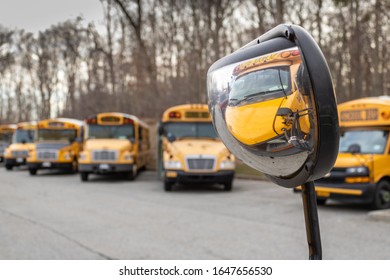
(311, 221)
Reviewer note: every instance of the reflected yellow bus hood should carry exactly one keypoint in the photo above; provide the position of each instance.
(107, 144)
(198, 146)
(350, 160)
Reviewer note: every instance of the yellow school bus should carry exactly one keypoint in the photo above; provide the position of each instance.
(6, 132)
(362, 170)
(114, 143)
(22, 142)
(264, 94)
(189, 150)
(56, 146)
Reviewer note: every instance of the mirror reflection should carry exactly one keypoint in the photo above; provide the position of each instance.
(263, 107)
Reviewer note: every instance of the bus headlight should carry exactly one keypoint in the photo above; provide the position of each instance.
(67, 156)
(128, 157)
(358, 171)
(172, 164)
(227, 164)
(83, 156)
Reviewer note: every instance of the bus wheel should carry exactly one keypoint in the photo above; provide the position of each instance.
(321, 201)
(84, 176)
(168, 186)
(8, 167)
(382, 195)
(228, 186)
(33, 171)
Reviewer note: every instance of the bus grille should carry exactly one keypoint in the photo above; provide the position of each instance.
(200, 163)
(20, 154)
(105, 155)
(47, 155)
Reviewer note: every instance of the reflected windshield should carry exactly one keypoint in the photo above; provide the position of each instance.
(24, 136)
(370, 141)
(110, 131)
(190, 130)
(56, 135)
(261, 83)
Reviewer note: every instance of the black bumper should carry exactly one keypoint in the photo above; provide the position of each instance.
(14, 162)
(220, 177)
(53, 165)
(112, 168)
(340, 192)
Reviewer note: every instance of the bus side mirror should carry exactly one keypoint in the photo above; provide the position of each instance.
(79, 140)
(160, 129)
(171, 137)
(354, 149)
(280, 116)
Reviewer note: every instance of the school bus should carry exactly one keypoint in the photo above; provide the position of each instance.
(114, 143)
(362, 170)
(6, 132)
(56, 146)
(266, 99)
(189, 150)
(22, 142)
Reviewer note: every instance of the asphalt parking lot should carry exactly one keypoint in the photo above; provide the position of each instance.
(56, 216)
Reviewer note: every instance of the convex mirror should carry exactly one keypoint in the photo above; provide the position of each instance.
(273, 105)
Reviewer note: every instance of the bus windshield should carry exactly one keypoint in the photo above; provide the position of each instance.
(56, 134)
(6, 137)
(24, 136)
(191, 130)
(110, 131)
(263, 83)
(369, 141)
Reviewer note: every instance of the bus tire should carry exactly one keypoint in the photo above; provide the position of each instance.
(382, 195)
(228, 186)
(33, 171)
(8, 167)
(321, 201)
(84, 176)
(168, 186)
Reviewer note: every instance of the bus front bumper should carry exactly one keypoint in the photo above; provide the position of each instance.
(49, 165)
(15, 161)
(351, 193)
(182, 177)
(100, 168)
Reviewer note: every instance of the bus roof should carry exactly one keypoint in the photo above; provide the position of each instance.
(27, 125)
(369, 111)
(7, 126)
(134, 118)
(182, 109)
(63, 120)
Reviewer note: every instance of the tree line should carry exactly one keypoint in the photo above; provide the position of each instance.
(148, 55)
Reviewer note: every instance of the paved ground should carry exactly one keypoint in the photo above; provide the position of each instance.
(55, 216)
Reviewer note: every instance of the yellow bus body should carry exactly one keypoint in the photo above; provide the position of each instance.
(57, 145)
(114, 143)
(256, 122)
(361, 173)
(6, 132)
(16, 154)
(193, 159)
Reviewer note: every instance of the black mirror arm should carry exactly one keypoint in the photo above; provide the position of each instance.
(311, 221)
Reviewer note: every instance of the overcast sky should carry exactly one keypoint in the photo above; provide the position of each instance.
(36, 15)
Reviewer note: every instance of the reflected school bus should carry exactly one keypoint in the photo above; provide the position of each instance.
(6, 132)
(114, 143)
(266, 100)
(189, 150)
(56, 146)
(362, 170)
(22, 142)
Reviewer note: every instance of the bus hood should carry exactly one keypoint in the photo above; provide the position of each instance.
(107, 144)
(353, 160)
(198, 147)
